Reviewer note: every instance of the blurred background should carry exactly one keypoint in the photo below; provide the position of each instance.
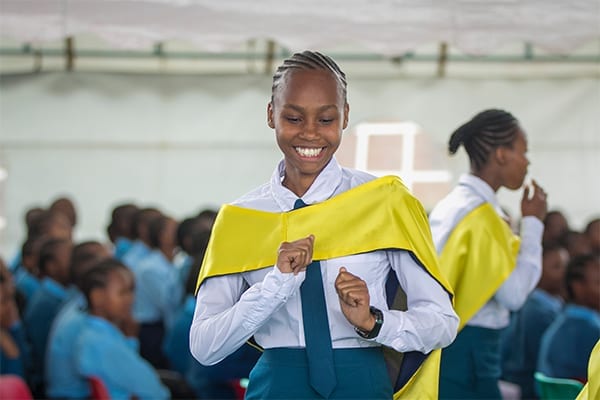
(163, 103)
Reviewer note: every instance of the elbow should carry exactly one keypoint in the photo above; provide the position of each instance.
(450, 331)
(200, 351)
(513, 303)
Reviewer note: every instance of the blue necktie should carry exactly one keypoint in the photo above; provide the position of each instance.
(321, 367)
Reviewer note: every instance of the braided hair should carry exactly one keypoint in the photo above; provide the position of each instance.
(484, 132)
(308, 60)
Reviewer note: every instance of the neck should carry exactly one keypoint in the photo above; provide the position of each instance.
(486, 175)
(298, 186)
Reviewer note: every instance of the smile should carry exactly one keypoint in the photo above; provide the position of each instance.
(308, 151)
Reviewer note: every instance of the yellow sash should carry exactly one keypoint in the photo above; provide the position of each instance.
(481, 252)
(377, 215)
(591, 390)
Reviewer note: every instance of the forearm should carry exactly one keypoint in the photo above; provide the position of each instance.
(429, 321)
(223, 322)
(524, 278)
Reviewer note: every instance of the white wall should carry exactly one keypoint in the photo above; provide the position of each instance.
(186, 142)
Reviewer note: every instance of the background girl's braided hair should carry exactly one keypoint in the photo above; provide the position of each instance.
(483, 133)
(309, 60)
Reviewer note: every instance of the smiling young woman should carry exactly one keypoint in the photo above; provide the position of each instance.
(312, 280)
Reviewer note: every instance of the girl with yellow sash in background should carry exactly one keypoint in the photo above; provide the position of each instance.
(491, 270)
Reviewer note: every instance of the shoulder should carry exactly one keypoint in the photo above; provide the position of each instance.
(254, 197)
(355, 177)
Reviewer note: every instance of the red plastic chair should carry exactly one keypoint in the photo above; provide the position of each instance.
(99, 390)
(14, 387)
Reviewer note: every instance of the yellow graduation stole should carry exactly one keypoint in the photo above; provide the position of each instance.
(481, 252)
(380, 214)
(591, 390)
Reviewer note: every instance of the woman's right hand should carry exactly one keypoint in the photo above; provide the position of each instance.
(534, 204)
(295, 256)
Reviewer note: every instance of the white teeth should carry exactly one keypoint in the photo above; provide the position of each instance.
(308, 151)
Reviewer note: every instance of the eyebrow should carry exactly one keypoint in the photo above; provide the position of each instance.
(301, 109)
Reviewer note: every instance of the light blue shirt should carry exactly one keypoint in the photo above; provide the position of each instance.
(137, 252)
(568, 342)
(103, 351)
(470, 193)
(39, 314)
(62, 377)
(158, 291)
(176, 343)
(25, 283)
(521, 340)
(122, 247)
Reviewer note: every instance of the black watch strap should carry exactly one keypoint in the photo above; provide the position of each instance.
(378, 322)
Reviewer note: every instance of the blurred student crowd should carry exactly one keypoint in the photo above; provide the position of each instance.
(118, 311)
(121, 311)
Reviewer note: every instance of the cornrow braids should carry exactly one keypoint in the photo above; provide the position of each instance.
(484, 132)
(308, 60)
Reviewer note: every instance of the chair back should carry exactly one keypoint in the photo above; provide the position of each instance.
(98, 388)
(14, 387)
(550, 388)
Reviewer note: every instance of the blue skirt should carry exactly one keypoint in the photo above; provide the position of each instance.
(282, 373)
(470, 367)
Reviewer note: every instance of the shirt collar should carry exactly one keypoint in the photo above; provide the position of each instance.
(323, 188)
(483, 190)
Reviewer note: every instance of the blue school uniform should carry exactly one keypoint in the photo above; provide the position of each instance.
(158, 295)
(39, 314)
(521, 340)
(15, 366)
(122, 247)
(176, 343)
(568, 342)
(25, 283)
(62, 377)
(136, 253)
(103, 351)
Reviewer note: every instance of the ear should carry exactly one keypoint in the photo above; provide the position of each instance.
(270, 122)
(97, 299)
(346, 115)
(500, 155)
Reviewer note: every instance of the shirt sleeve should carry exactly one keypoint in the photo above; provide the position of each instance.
(226, 315)
(429, 321)
(524, 278)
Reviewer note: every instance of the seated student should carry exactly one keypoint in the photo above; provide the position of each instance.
(187, 230)
(66, 327)
(13, 349)
(65, 206)
(54, 262)
(567, 343)
(158, 292)
(140, 247)
(30, 215)
(521, 340)
(27, 273)
(120, 230)
(592, 231)
(101, 349)
(556, 228)
(577, 243)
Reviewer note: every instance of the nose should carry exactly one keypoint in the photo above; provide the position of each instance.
(310, 130)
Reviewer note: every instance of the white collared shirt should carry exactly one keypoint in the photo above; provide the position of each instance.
(266, 303)
(471, 192)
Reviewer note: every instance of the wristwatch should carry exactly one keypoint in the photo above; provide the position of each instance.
(378, 322)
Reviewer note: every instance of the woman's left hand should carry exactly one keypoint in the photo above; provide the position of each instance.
(354, 300)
